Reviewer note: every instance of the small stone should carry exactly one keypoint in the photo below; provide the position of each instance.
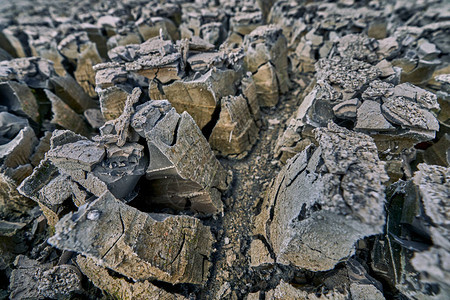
(370, 118)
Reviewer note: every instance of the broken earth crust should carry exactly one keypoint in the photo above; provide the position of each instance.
(224, 150)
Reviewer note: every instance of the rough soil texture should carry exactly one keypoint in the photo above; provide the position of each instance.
(224, 149)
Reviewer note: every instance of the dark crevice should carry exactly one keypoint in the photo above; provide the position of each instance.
(175, 132)
(159, 85)
(302, 215)
(23, 38)
(184, 289)
(179, 250)
(267, 245)
(272, 208)
(208, 128)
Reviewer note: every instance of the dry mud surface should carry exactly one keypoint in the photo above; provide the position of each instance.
(224, 149)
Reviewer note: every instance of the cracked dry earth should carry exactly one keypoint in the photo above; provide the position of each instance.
(224, 149)
(231, 275)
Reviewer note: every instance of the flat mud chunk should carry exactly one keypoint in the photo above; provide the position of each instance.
(358, 46)
(109, 74)
(427, 50)
(76, 156)
(11, 125)
(433, 183)
(80, 155)
(444, 81)
(62, 137)
(202, 62)
(138, 245)
(34, 71)
(199, 97)
(213, 32)
(198, 44)
(43, 44)
(291, 142)
(18, 138)
(249, 91)
(346, 73)
(154, 47)
(120, 287)
(19, 99)
(236, 131)
(414, 93)
(32, 280)
(386, 68)
(319, 111)
(126, 36)
(264, 44)
(65, 117)
(338, 196)
(370, 118)
(164, 69)
(11, 43)
(183, 170)
(439, 153)
(155, 59)
(153, 27)
(378, 90)
(399, 110)
(73, 45)
(387, 47)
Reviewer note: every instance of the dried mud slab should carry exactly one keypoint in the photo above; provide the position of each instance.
(413, 251)
(34, 71)
(324, 200)
(266, 57)
(190, 74)
(49, 189)
(18, 145)
(155, 81)
(11, 202)
(138, 245)
(434, 187)
(19, 99)
(65, 117)
(199, 97)
(183, 170)
(236, 131)
(355, 88)
(120, 287)
(32, 280)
